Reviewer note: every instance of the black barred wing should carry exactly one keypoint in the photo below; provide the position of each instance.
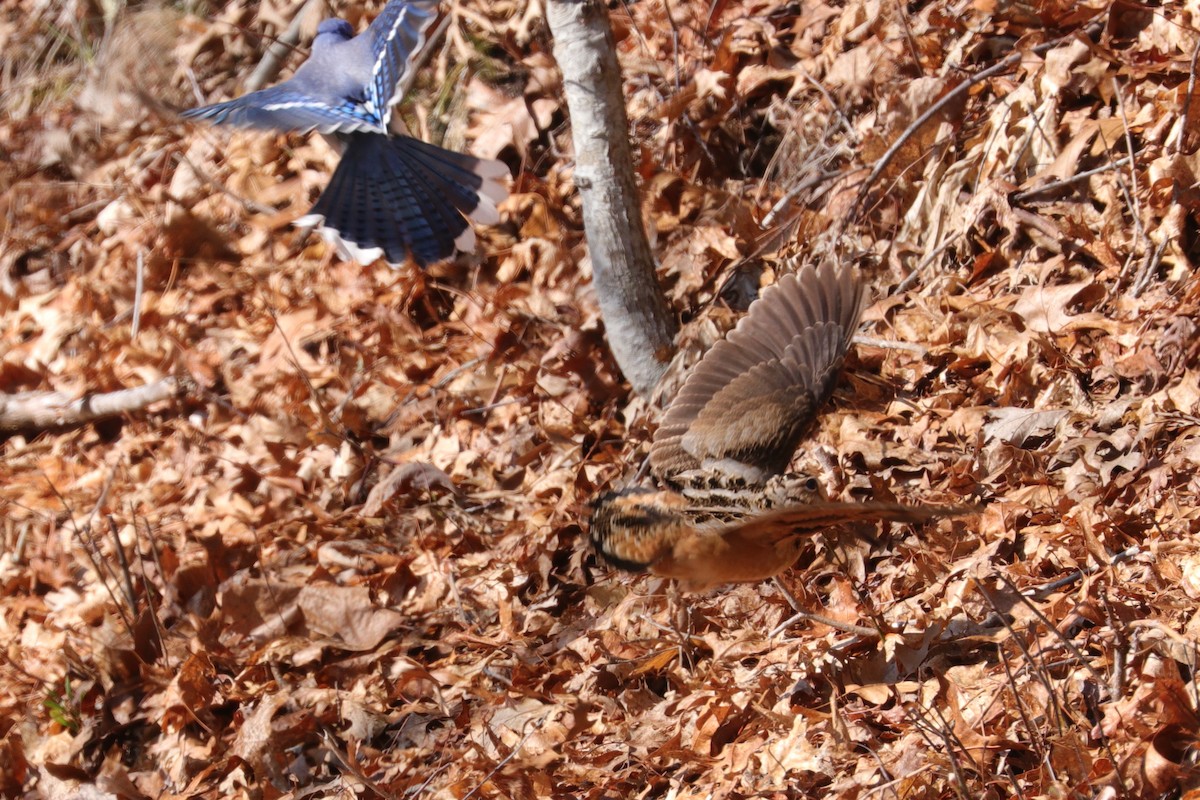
(748, 402)
(285, 108)
(397, 36)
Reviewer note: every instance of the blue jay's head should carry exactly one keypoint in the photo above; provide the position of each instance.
(335, 27)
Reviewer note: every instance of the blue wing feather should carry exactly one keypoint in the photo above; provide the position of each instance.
(282, 108)
(396, 37)
(391, 195)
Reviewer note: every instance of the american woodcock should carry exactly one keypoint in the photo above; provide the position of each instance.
(732, 513)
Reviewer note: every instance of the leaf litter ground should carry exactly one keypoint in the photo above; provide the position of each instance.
(350, 561)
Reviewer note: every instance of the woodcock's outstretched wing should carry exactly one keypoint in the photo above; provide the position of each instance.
(747, 404)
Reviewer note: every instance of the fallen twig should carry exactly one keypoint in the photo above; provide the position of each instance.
(889, 344)
(1045, 590)
(271, 63)
(39, 410)
(1054, 186)
(1009, 61)
(1185, 114)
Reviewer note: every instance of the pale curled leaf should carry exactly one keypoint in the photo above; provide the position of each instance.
(347, 615)
(1019, 426)
(416, 480)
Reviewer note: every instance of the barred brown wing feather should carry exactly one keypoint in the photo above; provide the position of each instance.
(753, 394)
(818, 516)
(759, 418)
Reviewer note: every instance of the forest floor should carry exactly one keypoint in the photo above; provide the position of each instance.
(350, 558)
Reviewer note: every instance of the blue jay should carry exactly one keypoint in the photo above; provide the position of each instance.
(391, 196)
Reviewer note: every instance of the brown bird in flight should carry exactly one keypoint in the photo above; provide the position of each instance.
(732, 514)
(659, 531)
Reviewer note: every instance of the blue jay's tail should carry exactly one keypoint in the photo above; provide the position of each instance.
(397, 197)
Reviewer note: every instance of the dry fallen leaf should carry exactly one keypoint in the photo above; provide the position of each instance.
(352, 556)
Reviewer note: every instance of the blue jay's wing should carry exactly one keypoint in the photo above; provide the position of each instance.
(396, 197)
(284, 108)
(396, 36)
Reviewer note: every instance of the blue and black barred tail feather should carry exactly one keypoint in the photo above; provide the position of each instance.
(396, 197)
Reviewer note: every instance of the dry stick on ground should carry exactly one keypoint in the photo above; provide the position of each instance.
(1007, 62)
(1046, 589)
(147, 590)
(942, 732)
(269, 67)
(1181, 142)
(1037, 593)
(246, 203)
(1036, 739)
(916, 125)
(1131, 196)
(91, 547)
(349, 763)
(1050, 627)
(1040, 673)
(1149, 268)
(123, 561)
(801, 615)
(640, 328)
(1054, 186)
(809, 182)
(39, 410)
(139, 286)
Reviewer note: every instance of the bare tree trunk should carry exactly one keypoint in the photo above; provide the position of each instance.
(641, 329)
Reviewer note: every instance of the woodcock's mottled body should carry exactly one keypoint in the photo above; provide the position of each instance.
(732, 514)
